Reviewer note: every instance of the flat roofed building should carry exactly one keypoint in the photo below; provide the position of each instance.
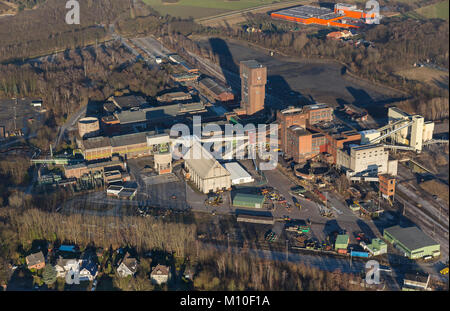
(205, 171)
(299, 143)
(416, 281)
(377, 247)
(174, 97)
(342, 241)
(131, 145)
(128, 102)
(306, 14)
(248, 200)
(163, 115)
(318, 113)
(412, 242)
(288, 117)
(127, 193)
(365, 160)
(256, 219)
(96, 148)
(114, 190)
(387, 185)
(78, 170)
(185, 77)
(128, 145)
(238, 174)
(163, 162)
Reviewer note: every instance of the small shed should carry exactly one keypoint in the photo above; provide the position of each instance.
(248, 200)
(342, 241)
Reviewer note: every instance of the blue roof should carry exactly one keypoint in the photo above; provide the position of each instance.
(67, 248)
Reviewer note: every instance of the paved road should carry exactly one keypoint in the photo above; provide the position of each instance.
(70, 123)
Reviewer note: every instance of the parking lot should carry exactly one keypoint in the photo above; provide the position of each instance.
(166, 191)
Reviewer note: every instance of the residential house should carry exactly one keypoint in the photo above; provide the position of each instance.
(128, 266)
(160, 274)
(88, 270)
(65, 265)
(35, 261)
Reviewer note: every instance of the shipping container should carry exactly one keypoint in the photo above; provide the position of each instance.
(342, 251)
(359, 254)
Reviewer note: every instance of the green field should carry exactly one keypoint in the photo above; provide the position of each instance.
(204, 8)
(437, 10)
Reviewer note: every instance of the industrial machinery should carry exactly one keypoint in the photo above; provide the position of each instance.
(271, 236)
(214, 200)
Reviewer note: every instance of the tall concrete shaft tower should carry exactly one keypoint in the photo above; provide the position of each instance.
(253, 81)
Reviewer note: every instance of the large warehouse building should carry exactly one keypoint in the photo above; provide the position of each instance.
(204, 170)
(129, 146)
(412, 242)
(343, 16)
(306, 14)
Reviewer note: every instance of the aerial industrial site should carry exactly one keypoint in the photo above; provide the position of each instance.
(157, 153)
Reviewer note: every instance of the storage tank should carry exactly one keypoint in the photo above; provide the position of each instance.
(88, 127)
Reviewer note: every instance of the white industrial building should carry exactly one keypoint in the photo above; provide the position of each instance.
(369, 135)
(404, 131)
(413, 135)
(238, 174)
(204, 170)
(365, 161)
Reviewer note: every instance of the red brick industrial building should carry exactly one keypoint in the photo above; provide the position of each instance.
(253, 81)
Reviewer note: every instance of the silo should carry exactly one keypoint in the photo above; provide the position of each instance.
(88, 127)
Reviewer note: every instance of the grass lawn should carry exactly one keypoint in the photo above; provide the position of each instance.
(424, 74)
(204, 8)
(437, 10)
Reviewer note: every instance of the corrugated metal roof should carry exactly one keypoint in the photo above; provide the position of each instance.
(160, 112)
(342, 239)
(236, 170)
(203, 163)
(129, 139)
(411, 237)
(129, 101)
(96, 142)
(307, 11)
(244, 200)
(213, 86)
